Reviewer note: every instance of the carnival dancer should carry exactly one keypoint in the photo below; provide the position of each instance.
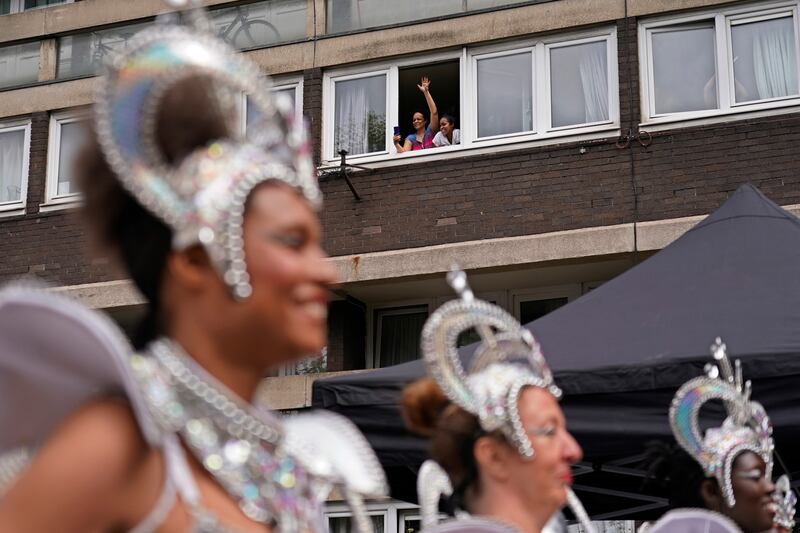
(499, 442)
(731, 476)
(219, 232)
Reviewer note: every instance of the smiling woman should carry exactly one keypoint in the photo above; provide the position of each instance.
(220, 233)
(499, 443)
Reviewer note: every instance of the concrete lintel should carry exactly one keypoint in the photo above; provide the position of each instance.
(639, 8)
(527, 249)
(78, 15)
(48, 97)
(474, 255)
(104, 295)
(292, 392)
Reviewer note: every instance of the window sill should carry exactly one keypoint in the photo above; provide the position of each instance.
(684, 120)
(60, 204)
(11, 211)
(492, 146)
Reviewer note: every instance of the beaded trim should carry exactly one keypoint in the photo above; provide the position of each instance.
(508, 360)
(277, 477)
(126, 122)
(747, 427)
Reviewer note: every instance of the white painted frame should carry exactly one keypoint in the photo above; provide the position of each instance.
(18, 5)
(571, 292)
(468, 57)
(392, 510)
(722, 20)
(18, 207)
(374, 331)
(53, 153)
(278, 84)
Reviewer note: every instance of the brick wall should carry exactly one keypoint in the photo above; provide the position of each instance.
(48, 245)
(686, 171)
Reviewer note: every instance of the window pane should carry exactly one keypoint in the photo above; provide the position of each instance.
(5, 7)
(397, 335)
(505, 95)
(261, 23)
(684, 72)
(84, 54)
(348, 15)
(764, 59)
(344, 524)
(19, 64)
(360, 121)
(12, 144)
(579, 84)
(72, 136)
(251, 111)
(32, 4)
(534, 309)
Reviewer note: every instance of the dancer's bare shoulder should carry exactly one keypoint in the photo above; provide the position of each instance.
(90, 475)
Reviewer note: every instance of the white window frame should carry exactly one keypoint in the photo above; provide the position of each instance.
(391, 510)
(18, 5)
(18, 207)
(278, 84)
(373, 333)
(722, 20)
(53, 153)
(571, 292)
(468, 57)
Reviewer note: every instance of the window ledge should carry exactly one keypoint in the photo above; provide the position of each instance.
(688, 120)
(60, 204)
(7, 212)
(475, 148)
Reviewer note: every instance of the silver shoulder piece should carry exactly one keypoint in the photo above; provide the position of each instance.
(785, 502)
(11, 465)
(333, 449)
(432, 483)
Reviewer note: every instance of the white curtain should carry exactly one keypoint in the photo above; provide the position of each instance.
(774, 60)
(351, 118)
(11, 151)
(594, 81)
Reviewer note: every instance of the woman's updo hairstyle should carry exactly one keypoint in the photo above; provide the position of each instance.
(452, 430)
(188, 118)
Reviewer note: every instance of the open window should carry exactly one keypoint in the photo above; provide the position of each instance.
(444, 88)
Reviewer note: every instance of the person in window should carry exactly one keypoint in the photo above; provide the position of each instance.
(424, 133)
(448, 134)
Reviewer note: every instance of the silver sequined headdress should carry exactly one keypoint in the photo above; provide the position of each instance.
(201, 199)
(746, 427)
(507, 361)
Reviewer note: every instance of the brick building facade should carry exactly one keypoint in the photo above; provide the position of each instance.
(541, 217)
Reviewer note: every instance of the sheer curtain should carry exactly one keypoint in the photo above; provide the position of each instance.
(351, 119)
(11, 150)
(399, 337)
(594, 80)
(774, 60)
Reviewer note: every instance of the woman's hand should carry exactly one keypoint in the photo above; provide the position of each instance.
(397, 139)
(424, 85)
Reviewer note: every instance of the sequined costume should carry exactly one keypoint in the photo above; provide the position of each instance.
(279, 471)
(747, 428)
(507, 361)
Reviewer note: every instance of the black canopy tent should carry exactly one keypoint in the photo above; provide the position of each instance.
(620, 351)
